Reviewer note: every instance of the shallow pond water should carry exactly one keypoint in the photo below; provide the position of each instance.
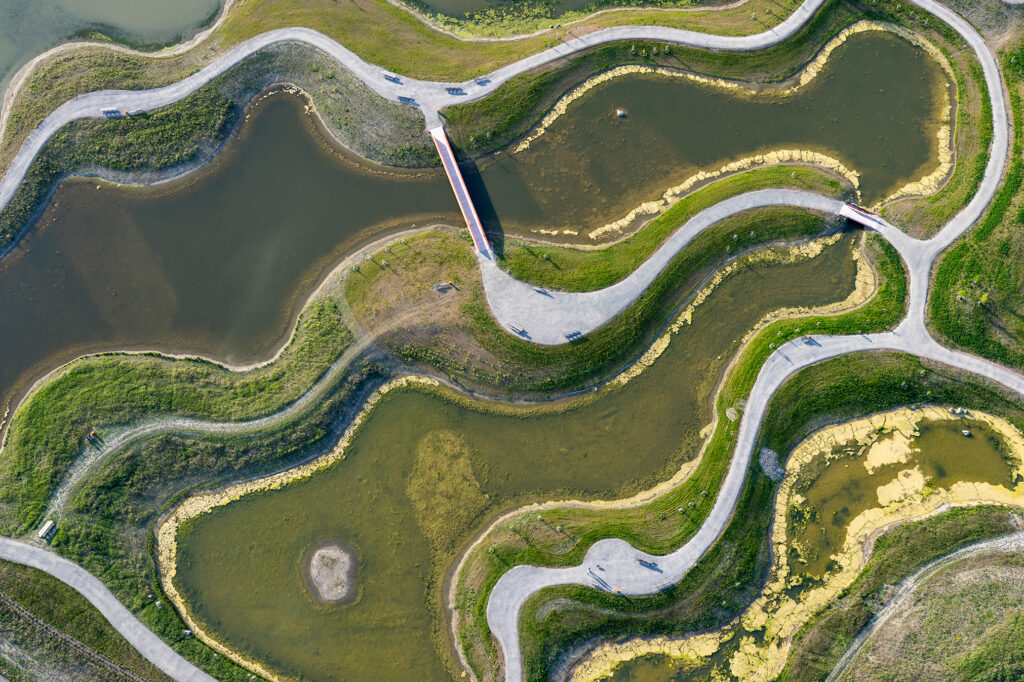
(240, 566)
(30, 27)
(844, 488)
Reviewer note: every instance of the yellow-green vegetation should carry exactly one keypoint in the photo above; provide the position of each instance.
(712, 594)
(33, 602)
(445, 493)
(48, 430)
(976, 299)
(669, 520)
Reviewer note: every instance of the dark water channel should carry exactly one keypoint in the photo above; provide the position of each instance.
(241, 565)
(219, 263)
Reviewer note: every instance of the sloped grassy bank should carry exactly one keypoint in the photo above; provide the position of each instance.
(178, 138)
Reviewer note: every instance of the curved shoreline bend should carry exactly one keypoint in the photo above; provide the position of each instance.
(510, 298)
(429, 96)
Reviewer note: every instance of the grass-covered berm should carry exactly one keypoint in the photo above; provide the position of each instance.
(426, 467)
(976, 301)
(51, 632)
(965, 621)
(880, 470)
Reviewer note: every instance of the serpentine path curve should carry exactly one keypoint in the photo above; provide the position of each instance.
(550, 317)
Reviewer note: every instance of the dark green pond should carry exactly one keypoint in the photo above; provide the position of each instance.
(218, 264)
(241, 566)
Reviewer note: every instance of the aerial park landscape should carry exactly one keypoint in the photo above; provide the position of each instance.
(464, 340)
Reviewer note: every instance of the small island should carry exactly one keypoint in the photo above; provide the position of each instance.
(331, 573)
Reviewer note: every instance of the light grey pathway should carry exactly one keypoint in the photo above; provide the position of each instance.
(511, 300)
(83, 582)
(1007, 543)
(429, 96)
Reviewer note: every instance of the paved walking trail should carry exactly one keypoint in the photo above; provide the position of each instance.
(137, 634)
(548, 318)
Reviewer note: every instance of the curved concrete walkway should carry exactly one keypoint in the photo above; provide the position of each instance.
(549, 315)
(83, 582)
(620, 568)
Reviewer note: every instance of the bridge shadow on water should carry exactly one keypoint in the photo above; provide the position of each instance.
(484, 206)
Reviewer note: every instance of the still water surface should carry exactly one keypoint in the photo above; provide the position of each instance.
(241, 566)
(30, 27)
(219, 263)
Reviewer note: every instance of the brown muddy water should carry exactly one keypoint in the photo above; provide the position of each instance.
(241, 566)
(219, 263)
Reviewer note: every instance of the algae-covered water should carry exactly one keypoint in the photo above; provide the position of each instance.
(240, 565)
(874, 106)
(844, 488)
(219, 263)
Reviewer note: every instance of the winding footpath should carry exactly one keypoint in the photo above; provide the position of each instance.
(548, 317)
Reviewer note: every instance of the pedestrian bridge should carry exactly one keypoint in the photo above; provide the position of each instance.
(451, 168)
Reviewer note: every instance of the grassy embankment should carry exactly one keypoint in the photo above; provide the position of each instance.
(818, 646)
(471, 350)
(965, 621)
(657, 526)
(976, 300)
(53, 602)
(376, 30)
(189, 132)
(714, 592)
(181, 133)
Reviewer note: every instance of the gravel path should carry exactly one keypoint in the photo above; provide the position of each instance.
(83, 582)
(514, 303)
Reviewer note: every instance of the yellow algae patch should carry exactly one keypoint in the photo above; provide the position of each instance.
(907, 483)
(774, 615)
(200, 503)
(892, 450)
(930, 183)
